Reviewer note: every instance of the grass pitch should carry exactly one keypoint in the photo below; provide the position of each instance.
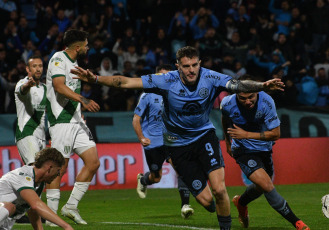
(123, 209)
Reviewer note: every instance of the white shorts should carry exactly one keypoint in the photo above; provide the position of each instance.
(68, 137)
(28, 147)
(7, 223)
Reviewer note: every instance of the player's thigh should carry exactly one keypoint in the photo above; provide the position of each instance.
(63, 136)
(262, 180)
(209, 152)
(189, 169)
(155, 158)
(84, 143)
(249, 162)
(28, 147)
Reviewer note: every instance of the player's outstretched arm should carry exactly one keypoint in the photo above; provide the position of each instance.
(117, 81)
(39, 207)
(249, 86)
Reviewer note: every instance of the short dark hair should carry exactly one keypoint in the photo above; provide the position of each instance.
(49, 154)
(34, 57)
(187, 51)
(72, 36)
(163, 66)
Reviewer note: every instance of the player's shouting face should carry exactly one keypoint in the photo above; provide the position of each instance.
(189, 70)
(81, 49)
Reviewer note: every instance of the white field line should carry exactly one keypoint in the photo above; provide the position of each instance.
(158, 225)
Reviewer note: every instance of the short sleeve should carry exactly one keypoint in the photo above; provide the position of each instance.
(142, 105)
(217, 79)
(57, 68)
(157, 81)
(21, 182)
(271, 117)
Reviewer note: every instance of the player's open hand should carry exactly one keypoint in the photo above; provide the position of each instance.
(237, 132)
(83, 75)
(274, 84)
(145, 141)
(90, 105)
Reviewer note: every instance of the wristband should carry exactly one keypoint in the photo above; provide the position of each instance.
(96, 79)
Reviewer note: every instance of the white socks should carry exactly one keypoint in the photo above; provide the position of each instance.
(4, 213)
(53, 196)
(80, 188)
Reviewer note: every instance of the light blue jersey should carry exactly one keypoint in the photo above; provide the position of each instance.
(262, 117)
(149, 108)
(186, 110)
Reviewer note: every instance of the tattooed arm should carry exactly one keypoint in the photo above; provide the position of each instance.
(238, 133)
(111, 81)
(61, 88)
(248, 86)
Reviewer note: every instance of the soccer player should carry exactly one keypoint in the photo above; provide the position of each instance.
(251, 122)
(325, 205)
(20, 191)
(68, 130)
(188, 95)
(30, 98)
(147, 123)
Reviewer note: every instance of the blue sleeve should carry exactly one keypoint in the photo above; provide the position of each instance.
(142, 105)
(216, 79)
(156, 81)
(193, 21)
(271, 117)
(223, 108)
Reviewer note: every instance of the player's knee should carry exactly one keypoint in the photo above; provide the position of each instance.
(267, 187)
(219, 192)
(157, 179)
(10, 207)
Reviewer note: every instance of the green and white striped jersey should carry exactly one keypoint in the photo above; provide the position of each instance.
(59, 108)
(30, 109)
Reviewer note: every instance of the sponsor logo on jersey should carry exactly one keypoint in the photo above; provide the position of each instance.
(267, 103)
(28, 178)
(236, 114)
(252, 163)
(39, 107)
(56, 63)
(203, 92)
(171, 138)
(196, 184)
(171, 80)
(213, 76)
(273, 118)
(56, 60)
(67, 149)
(191, 108)
(156, 100)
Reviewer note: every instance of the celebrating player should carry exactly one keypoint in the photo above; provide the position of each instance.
(147, 123)
(188, 95)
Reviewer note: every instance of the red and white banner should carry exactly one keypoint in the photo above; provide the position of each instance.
(296, 161)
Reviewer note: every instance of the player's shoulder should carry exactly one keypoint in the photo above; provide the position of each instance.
(266, 100)
(57, 58)
(212, 74)
(22, 81)
(228, 101)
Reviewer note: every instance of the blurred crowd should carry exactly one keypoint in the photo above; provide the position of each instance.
(287, 39)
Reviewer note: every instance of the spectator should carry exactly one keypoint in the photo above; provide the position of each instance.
(308, 90)
(201, 21)
(62, 21)
(282, 16)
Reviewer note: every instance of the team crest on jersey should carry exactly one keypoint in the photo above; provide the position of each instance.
(56, 63)
(28, 178)
(203, 92)
(258, 114)
(196, 184)
(252, 163)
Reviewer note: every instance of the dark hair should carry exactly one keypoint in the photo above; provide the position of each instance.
(72, 36)
(247, 77)
(163, 66)
(187, 51)
(34, 57)
(49, 154)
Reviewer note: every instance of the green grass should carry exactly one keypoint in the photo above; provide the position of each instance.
(162, 206)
